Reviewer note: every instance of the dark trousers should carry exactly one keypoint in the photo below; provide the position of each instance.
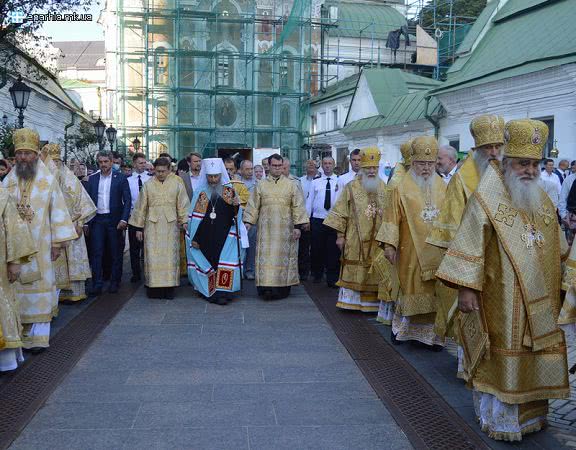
(103, 234)
(136, 248)
(304, 254)
(325, 255)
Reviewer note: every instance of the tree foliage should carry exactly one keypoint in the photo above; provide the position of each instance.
(25, 35)
(463, 8)
(6, 145)
(82, 144)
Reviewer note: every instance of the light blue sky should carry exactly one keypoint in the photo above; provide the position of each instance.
(76, 31)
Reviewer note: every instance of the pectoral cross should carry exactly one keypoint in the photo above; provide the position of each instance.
(429, 213)
(532, 236)
(26, 212)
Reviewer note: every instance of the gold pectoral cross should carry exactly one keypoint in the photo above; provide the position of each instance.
(532, 236)
(26, 212)
(429, 213)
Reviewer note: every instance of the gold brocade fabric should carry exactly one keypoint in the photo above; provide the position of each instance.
(568, 311)
(50, 226)
(405, 228)
(16, 246)
(399, 171)
(73, 265)
(161, 208)
(358, 216)
(242, 192)
(276, 206)
(520, 294)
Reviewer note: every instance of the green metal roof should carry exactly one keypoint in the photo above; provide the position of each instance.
(477, 28)
(404, 109)
(387, 84)
(512, 8)
(338, 89)
(366, 20)
(75, 84)
(511, 47)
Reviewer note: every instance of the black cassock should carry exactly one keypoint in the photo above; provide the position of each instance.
(211, 233)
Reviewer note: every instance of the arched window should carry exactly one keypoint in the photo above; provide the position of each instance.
(285, 116)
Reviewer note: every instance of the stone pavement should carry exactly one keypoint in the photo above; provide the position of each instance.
(187, 374)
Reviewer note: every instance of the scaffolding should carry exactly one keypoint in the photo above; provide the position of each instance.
(218, 78)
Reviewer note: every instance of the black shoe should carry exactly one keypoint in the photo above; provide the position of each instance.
(95, 292)
(218, 301)
(135, 279)
(37, 350)
(332, 285)
(303, 277)
(113, 289)
(394, 340)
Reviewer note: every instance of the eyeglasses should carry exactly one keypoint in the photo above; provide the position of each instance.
(424, 163)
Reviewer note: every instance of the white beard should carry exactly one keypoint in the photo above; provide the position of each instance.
(482, 161)
(425, 184)
(370, 184)
(525, 195)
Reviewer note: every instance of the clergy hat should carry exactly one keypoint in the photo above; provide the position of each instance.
(26, 139)
(525, 139)
(424, 148)
(406, 151)
(369, 157)
(213, 166)
(52, 151)
(487, 129)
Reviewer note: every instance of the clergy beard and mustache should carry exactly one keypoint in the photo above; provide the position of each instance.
(425, 184)
(482, 160)
(26, 170)
(215, 189)
(370, 184)
(525, 194)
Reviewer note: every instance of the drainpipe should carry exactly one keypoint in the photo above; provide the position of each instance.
(71, 124)
(3, 77)
(431, 119)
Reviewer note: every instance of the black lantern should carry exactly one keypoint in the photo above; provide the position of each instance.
(111, 135)
(4, 120)
(100, 128)
(20, 94)
(136, 144)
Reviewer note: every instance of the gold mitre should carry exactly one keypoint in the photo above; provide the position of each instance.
(26, 139)
(525, 138)
(370, 157)
(52, 151)
(487, 129)
(424, 148)
(406, 151)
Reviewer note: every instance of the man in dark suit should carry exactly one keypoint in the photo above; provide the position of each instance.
(110, 193)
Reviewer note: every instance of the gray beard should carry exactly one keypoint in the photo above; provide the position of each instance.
(482, 161)
(215, 189)
(26, 170)
(525, 195)
(370, 184)
(425, 184)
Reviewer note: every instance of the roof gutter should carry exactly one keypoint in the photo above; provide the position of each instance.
(431, 119)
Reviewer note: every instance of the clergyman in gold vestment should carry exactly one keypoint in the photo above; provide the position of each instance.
(406, 224)
(40, 202)
(488, 133)
(506, 261)
(402, 167)
(161, 211)
(72, 269)
(277, 207)
(356, 217)
(16, 246)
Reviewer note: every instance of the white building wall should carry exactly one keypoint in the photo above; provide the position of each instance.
(549, 93)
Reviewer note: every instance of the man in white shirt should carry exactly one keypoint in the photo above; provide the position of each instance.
(136, 181)
(192, 178)
(321, 197)
(304, 242)
(447, 162)
(564, 195)
(549, 175)
(247, 174)
(346, 178)
(306, 180)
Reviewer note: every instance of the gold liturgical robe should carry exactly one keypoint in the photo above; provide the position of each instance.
(405, 226)
(358, 215)
(276, 206)
(399, 171)
(460, 188)
(16, 246)
(42, 205)
(568, 311)
(72, 269)
(161, 208)
(514, 261)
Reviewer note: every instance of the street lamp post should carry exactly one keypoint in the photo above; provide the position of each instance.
(20, 94)
(111, 135)
(100, 128)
